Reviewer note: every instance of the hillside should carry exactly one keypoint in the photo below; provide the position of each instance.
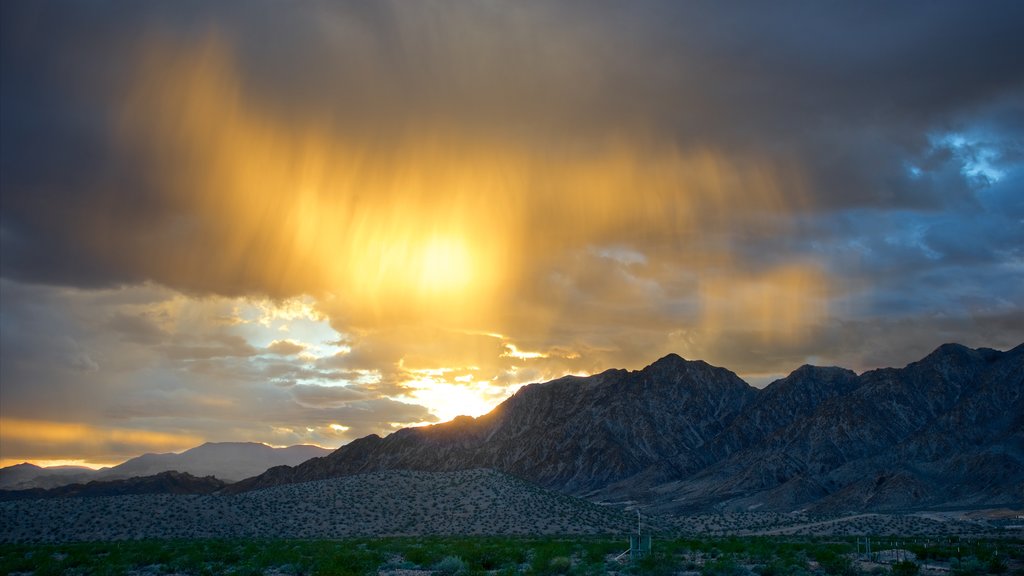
(684, 436)
(383, 503)
(162, 483)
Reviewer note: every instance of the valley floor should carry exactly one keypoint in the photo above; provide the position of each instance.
(762, 556)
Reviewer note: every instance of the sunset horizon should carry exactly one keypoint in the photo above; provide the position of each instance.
(305, 223)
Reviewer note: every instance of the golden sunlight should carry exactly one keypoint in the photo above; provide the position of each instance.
(449, 229)
(4, 462)
(447, 400)
(437, 227)
(64, 440)
(445, 265)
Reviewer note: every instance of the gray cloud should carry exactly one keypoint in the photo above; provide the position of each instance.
(285, 348)
(655, 177)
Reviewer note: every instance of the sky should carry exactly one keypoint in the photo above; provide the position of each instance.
(293, 221)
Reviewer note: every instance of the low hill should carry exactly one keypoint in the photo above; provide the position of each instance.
(382, 503)
(162, 483)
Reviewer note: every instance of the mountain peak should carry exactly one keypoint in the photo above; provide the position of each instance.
(952, 348)
(822, 371)
(24, 466)
(958, 353)
(670, 360)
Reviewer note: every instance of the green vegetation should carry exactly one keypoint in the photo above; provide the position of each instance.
(500, 556)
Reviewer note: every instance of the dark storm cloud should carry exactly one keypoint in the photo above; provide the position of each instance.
(850, 93)
(868, 155)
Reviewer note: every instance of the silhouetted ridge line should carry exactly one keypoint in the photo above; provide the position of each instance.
(683, 435)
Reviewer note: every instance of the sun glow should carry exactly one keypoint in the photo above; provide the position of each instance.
(5, 462)
(446, 265)
(446, 401)
(432, 226)
(65, 439)
(459, 396)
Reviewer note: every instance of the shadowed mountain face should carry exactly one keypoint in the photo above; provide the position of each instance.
(686, 436)
(574, 434)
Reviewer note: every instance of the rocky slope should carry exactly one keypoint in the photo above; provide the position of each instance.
(944, 431)
(382, 503)
(686, 436)
(573, 434)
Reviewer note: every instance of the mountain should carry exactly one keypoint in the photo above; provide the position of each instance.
(573, 434)
(942, 432)
(162, 483)
(228, 461)
(685, 436)
(25, 475)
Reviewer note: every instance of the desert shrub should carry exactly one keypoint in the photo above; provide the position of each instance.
(969, 566)
(545, 552)
(559, 565)
(657, 563)
(450, 565)
(905, 568)
(775, 568)
(723, 567)
(835, 564)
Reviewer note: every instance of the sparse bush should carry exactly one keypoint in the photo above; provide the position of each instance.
(559, 565)
(450, 565)
(835, 564)
(905, 568)
(996, 565)
(969, 566)
(723, 567)
(656, 564)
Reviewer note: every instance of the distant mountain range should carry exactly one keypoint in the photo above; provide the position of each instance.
(684, 436)
(162, 483)
(27, 476)
(228, 461)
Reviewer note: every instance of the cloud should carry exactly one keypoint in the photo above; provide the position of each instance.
(207, 233)
(224, 345)
(326, 396)
(285, 348)
(35, 439)
(137, 329)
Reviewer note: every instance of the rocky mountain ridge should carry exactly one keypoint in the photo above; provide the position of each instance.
(685, 436)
